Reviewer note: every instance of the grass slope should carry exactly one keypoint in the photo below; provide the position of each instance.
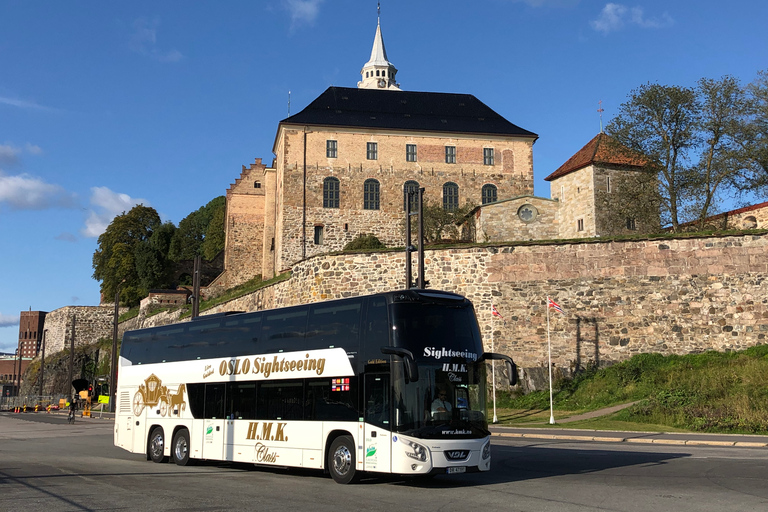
(708, 392)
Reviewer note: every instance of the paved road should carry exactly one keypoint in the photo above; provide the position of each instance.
(48, 465)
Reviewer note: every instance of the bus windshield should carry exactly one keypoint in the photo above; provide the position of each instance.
(449, 398)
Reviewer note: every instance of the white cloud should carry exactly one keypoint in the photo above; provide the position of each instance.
(9, 320)
(106, 206)
(25, 192)
(614, 17)
(15, 102)
(144, 41)
(9, 155)
(303, 12)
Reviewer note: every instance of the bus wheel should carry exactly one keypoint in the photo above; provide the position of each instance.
(157, 445)
(180, 448)
(341, 460)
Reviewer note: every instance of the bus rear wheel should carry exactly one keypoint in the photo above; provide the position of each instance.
(341, 460)
(180, 448)
(156, 445)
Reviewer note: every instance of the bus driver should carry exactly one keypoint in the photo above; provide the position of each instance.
(441, 404)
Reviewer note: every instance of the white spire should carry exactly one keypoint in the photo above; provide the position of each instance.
(378, 72)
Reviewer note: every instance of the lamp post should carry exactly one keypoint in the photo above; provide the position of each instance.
(42, 366)
(113, 360)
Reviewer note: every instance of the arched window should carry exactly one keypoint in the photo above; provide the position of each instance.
(411, 187)
(371, 195)
(450, 196)
(331, 193)
(489, 194)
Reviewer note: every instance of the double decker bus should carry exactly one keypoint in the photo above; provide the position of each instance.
(387, 383)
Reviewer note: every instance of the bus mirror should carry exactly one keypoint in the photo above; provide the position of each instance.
(511, 366)
(411, 368)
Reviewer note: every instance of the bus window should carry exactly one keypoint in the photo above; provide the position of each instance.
(337, 325)
(280, 400)
(377, 399)
(328, 401)
(214, 401)
(241, 400)
(284, 330)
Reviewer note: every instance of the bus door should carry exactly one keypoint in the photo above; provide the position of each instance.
(378, 438)
(214, 422)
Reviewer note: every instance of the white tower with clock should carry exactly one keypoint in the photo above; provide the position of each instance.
(378, 72)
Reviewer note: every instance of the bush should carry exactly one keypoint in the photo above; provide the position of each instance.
(364, 242)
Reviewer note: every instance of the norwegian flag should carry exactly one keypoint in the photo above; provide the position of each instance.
(553, 304)
(495, 312)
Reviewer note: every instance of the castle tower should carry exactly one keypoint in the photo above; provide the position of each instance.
(378, 72)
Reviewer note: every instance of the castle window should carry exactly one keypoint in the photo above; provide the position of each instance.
(411, 187)
(331, 193)
(487, 156)
(489, 194)
(608, 184)
(450, 154)
(330, 148)
(256, 184)
(372, 152)
(377, 72)
(631, 224)
(318, 235)
(580, 225)
(450, 196)
(371, 195)
(410, 152)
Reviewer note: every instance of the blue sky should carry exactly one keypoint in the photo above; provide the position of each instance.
(107, 104)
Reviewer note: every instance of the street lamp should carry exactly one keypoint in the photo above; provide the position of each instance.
(42, 366)
(113, 361)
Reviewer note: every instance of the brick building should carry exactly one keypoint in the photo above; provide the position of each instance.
(31, 327)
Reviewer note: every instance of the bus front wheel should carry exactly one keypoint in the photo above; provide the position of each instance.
(341, 460)
(156, 446)
(180, 448)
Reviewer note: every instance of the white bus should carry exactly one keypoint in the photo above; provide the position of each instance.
(387, 383)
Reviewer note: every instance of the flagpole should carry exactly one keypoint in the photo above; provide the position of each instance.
(549, 351)
(493, 369)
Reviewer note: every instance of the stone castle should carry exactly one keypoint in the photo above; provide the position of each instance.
(342, 167)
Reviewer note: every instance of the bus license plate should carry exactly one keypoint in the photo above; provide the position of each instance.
(460, 469)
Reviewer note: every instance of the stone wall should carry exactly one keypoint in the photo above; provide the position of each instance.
(504, 220)
(91, 324)
(671, 296)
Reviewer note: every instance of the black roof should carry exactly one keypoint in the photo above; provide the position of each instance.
(405, 110)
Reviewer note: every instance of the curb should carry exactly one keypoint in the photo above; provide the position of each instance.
(604, 439)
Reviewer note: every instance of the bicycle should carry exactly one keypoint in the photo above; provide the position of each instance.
(71, 416)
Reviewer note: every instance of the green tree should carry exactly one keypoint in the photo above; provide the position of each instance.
(215, 233)
(153, 267)
(722, 108)
(114, 261)
(188, 239)
(364, 241)
(439, 223)
(753, 138)
(661, 122)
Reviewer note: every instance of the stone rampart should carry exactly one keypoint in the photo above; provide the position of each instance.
(91, 324)
(671, 296)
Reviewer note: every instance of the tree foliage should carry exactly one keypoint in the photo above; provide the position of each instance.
(439, 223)
(706, 142)
(364, 241)
(114, 261)
(660, 122)
(189, 239)
(154, 268)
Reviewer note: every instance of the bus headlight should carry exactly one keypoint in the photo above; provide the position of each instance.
(487, 450)
(418, 453)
